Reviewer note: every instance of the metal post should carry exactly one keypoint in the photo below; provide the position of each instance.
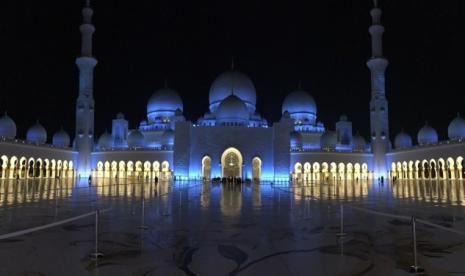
(142, 225)
(415, 268)
(96, 254)
(341, 234)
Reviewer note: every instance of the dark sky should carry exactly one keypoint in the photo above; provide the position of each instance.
(325, 44)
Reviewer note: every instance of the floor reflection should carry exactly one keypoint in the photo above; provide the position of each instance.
(230, 198)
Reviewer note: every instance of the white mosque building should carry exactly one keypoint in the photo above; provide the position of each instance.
(232, 139)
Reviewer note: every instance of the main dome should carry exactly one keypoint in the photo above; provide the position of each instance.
(163, 103)
(232, 111)
(301, 106)
(233, 82)
(456, 128)
(7, 127)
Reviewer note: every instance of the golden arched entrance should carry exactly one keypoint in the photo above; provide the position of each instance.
(206, 167)
(256, 168)
(231, 163)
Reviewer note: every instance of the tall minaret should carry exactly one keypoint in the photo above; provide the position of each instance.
(379, 121)
(84, 140)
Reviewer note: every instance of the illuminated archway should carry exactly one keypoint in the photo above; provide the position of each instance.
(206, 167)
(256, 168)
(231, 163)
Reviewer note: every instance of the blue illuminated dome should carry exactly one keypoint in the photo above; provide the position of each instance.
(232, 111)
(296, 140)
(359, 143)
(403, 140)
(456, 129)
(301, 106)
(231, 82)
(167, 139)
(427, 135)
(328, 140)
(105, 141)
(163, 103)
(36, 134)
(61, 138)
(136, 139)
(7, 127)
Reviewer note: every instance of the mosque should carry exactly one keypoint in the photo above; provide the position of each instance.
(231, 139)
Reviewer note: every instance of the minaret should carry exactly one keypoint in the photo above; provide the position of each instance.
(84, 140)
(379, 121)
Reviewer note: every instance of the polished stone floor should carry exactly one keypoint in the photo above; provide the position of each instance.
(195, 228)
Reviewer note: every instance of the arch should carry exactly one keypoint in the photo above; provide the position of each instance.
(441, 168)
(341, 168)
(122, 166)
(298, 167)
(231, 163)
(364, 168)
(156, 166)
(147, 166)
(99, 166)
(106, 166)
(206, 167)
(4, 159)
(316, 167)
(138, 166)
(325, 167)
(357, 168)
(165, 166)
(71, 165)
(459, 165)
(307, 167)
(256, 168)
(130, 168)
(451, 168)
(114, 166)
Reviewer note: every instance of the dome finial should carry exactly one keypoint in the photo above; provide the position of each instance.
(87, 3)
(375, 3)
(166, 83)
(232, 63)
(299, 85)
(458, 114)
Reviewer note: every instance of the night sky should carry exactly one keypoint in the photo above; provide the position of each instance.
(324, 44)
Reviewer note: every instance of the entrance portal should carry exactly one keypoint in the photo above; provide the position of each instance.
(231, 163)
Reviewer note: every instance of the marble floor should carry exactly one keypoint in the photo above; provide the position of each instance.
(195, 228)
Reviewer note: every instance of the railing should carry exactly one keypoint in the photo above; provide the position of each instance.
(25, 142)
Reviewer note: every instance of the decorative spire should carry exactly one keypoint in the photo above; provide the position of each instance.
(87, 29)
(299, 85)
(376, 30)
(166, 83)
(458, 115)
(232, 63)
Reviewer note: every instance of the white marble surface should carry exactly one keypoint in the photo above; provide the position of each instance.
(221, 229)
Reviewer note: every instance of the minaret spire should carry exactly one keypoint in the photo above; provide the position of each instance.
(86, 63)
(379, 119)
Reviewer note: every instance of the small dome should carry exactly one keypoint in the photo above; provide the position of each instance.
(164, 103)
(427, 135)
(456, 128)
(136, 139)
(7, 127)
(167, 139)
(36, 134)
(328, 140)
(106, 140)
(403, 140)
(230, 82)
(359, 143)
(296, 140)
(232, 110)
(61, 138)
(301, 106)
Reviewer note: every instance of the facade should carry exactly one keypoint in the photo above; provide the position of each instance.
(232, 139)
